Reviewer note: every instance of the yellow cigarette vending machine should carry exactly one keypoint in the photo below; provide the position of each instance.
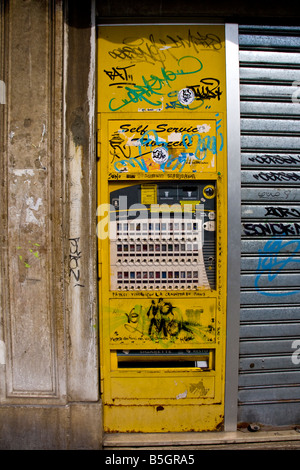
(161, 226)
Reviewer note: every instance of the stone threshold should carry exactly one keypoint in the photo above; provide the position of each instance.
(143, 440)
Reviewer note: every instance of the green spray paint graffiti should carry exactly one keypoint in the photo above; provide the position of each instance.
(25, 253)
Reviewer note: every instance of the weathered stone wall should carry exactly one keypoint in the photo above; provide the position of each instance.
(49, 390)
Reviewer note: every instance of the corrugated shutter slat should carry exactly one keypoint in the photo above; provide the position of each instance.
(269, 381)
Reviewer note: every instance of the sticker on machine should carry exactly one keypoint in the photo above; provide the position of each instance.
(160, 155)
(186, 96)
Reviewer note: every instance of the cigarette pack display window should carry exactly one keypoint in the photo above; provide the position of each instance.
(166, 244)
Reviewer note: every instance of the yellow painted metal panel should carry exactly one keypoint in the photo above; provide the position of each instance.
(189, 389)
(164, 418)
(147, 148)
(162, 323)
(161, 68)
(162, 295)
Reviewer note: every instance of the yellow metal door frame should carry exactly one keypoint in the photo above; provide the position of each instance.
(162, 121)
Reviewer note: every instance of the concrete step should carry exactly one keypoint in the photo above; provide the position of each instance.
(287, 439)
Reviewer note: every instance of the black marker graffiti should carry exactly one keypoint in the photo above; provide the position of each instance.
(277, 194)
(161, 315)
(154, 50)
(273, 229)
(74, 257)
(208, 88)
(120, 73)
(276, 159)
(117, 142)
(277, 176)
(198, 41)
(282, 212)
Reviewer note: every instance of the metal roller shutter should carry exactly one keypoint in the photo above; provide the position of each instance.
(269, 377)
